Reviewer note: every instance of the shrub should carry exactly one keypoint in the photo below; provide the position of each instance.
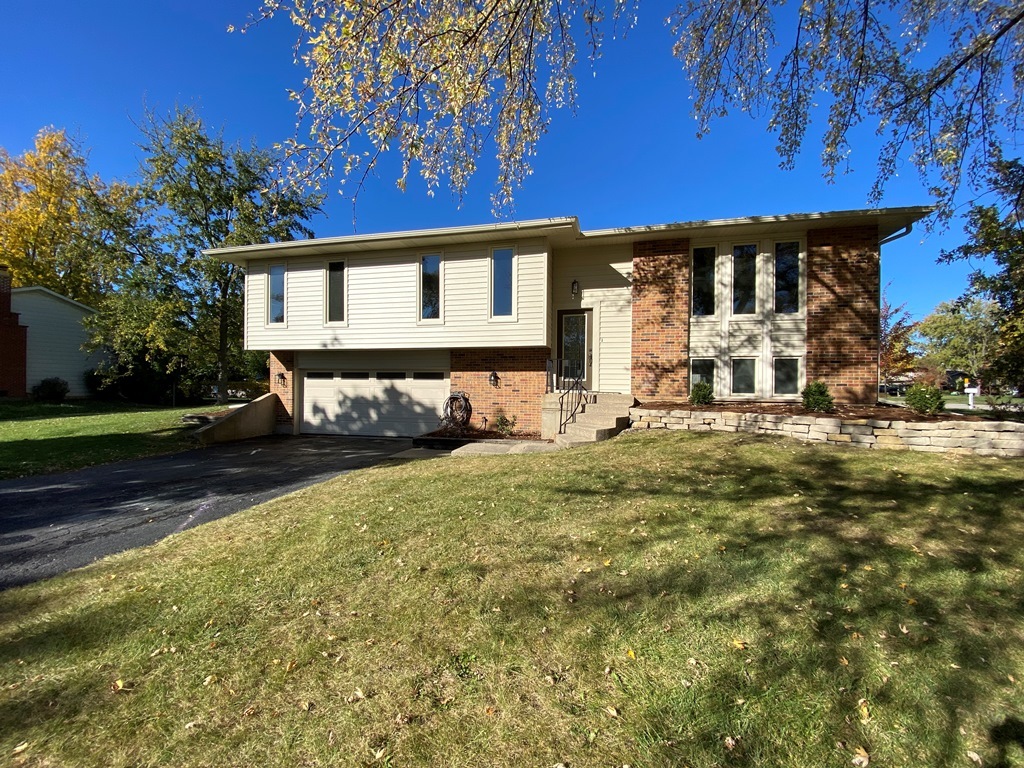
(702, 393)
(52, 390)
(504, 424)
(925, 399)
(817, 397)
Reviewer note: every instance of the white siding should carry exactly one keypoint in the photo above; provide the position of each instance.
(55, 338)
(382, 304)
(604, 277)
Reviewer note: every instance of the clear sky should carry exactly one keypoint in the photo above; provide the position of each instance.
(629, 156)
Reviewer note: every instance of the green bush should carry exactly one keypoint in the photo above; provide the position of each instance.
(506, 425)
(925, 399)
(817, 397)
(52, 390)
(702, 393)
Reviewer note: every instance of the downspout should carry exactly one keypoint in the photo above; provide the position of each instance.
(892, 238)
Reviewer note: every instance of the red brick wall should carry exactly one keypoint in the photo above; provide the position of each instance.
(843, 294)
(283, 363)
(523, 381)
(13, 343)
(661, 318)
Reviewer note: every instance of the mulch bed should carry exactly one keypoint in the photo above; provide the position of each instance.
(482, 434)
(879, 411)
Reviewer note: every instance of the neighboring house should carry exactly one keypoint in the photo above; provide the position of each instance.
(369, 334)
(54, 339)
(13, 337)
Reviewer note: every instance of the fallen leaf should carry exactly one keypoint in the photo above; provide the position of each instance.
(631, 654)
(357, 695)
(862, 708)
(974, 757)
(730, 743)
(860, 757)
(844, 661)
(21, 748)
(741, 644)
(612, 711)
(308, 706)
(120, 686)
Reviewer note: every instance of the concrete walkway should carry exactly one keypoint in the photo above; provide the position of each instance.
(500, 447)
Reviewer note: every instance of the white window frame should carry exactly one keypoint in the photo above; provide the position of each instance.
(491, 317)
(270, 298)
(439, 320)
(802, 278)
(714, 375)
(799, 376)
(732, 376)
(328, 323)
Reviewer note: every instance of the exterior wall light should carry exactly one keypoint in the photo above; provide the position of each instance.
(281, 377)
(494, 379)
(575, 288)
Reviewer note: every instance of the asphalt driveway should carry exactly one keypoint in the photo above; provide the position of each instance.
(53, 523)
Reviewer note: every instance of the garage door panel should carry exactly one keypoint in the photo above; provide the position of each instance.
(372, 407)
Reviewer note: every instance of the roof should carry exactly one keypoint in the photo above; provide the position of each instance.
(52, 294)
(565, 232)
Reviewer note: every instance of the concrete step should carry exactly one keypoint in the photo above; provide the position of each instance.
(612, 400)
(579, 431)
(601, 419)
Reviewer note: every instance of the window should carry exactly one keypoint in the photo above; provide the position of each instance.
(787, 375)
(320, 375)
(275, 293)
(430, 287)
(702, 281)
(702, 370)
(501, 282)
(743, 375)
(354, 375)
(392, 375)
(744, 279)
(787, 278)
(336, 292)
(428, 375)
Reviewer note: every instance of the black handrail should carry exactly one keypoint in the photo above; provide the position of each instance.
(576, 395)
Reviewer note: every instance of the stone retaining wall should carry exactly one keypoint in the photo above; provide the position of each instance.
(985, 438)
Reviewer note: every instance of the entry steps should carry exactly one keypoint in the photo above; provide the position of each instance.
(604, 415)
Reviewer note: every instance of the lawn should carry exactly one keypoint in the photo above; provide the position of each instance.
(36, 438)
(673, 599)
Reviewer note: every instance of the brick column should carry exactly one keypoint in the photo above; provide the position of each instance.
(282, 375)
(13, 343)
(661, 319)
(843, 296)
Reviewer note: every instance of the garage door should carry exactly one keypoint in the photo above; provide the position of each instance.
(388, 403)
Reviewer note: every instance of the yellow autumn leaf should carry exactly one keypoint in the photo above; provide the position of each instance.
(844, 661)
(21, 747)
(860, 758)
(612, 711)
(740, 644)
(631, 654)
(863, 711)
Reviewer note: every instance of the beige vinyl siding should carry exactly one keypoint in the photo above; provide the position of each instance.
(55, 338)
(382, 307)
(604, 277)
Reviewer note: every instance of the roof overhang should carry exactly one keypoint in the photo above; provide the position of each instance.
(566, 232)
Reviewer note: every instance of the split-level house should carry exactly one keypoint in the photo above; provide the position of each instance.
(369, 334)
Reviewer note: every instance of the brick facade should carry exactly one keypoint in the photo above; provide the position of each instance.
(282, 383)
(843, 294)
(523, 381)
(13, 344)
(661, 319)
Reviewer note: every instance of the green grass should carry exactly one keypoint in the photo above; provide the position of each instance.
(679, 599)
(37, 438)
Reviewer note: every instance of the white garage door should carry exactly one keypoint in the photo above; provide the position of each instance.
(388, 403)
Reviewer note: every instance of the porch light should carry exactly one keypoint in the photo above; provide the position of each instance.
(575, 288)
(281, 377)
(494, 379)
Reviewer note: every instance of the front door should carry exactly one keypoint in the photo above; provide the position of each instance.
(575, 346)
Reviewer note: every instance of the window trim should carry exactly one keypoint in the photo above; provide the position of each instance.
(439, 320)
(801, 256)
(328, 323)
(799, 376)
(732, 377)
(268, 309)
(714, 372)
(513, 315)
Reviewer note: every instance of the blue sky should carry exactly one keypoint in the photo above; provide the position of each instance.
(629, 155)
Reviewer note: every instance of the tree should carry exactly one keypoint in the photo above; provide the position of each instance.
(961, 336)
(176, 308)
(995, 237)
(437, 80)
(60, 228)
(896, 327)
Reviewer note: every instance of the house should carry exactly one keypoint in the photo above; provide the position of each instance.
(369, 334)
(41, 337)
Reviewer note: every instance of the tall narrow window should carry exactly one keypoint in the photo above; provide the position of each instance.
(787, 278)
(787, 375)
(336, 292)
(430, 287)
(744, 279)
(501, 282)
(275, 313)
(702, 281)
(702, 371)
(743, 375)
